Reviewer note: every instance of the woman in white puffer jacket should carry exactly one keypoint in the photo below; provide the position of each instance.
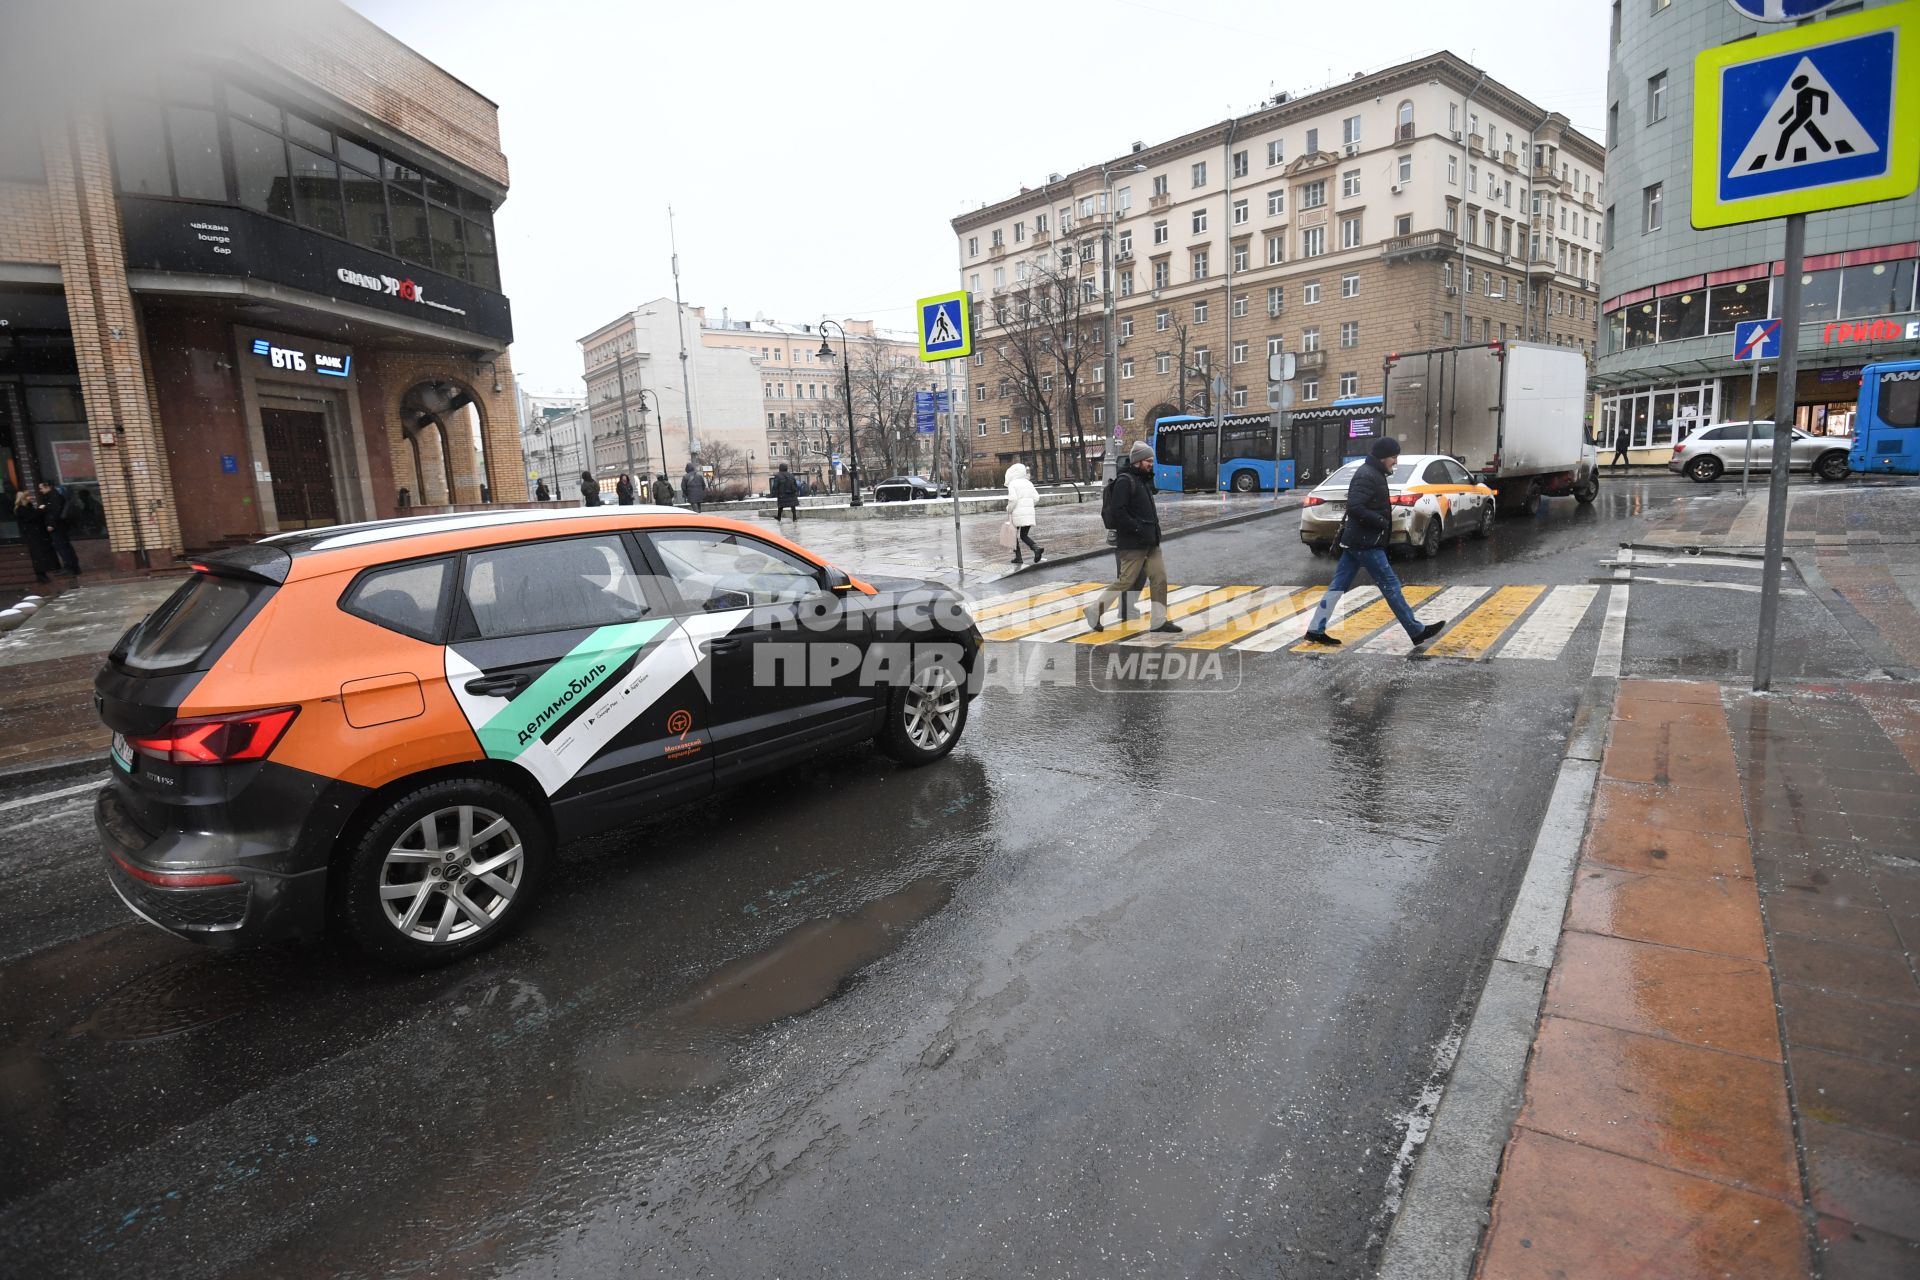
(1021, 497)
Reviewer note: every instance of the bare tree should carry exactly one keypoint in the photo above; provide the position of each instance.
(1042, 338)
(728, 463)
(1187, 365)
(884, 382)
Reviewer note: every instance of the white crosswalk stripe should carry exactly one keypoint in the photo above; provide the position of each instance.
(1068, 630)
(1451, 603)
(1546, 631)
(1218, 616)
(1282, 634)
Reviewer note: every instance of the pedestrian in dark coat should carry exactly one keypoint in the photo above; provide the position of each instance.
(786, 494)
(1621, 440)
(1364, 536)
(1128, 510)
(32, 518)
(589, 489)
(623, 489)
(54, 500)
(541, 493)
(662, 491)
(693, 486)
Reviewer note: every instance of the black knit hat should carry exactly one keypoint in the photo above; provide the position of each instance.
(1385, 447)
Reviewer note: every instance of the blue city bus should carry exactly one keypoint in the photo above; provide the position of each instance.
(1245, 455)
(1886, 430)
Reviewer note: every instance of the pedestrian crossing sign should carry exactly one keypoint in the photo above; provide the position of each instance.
(1807, 119)
(946, 327)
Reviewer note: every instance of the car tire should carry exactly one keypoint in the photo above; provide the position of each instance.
(399, 927)
(1831, 466)
(1430, 540)
(1484, 529)
(1320, 548)
(1245, 482)
(1587, 490)
(926, 716)
(1704, 469)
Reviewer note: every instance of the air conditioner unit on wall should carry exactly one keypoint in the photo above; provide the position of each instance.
(1353, 149)
(1396, 188)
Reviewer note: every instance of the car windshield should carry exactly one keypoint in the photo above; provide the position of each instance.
(1340, 479)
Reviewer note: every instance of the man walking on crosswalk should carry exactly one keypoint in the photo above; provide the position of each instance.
(1129, 511)
(1364, 536)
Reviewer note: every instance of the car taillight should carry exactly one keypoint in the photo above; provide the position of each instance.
(173, 879)
(1404, 499)
(239, 735)
(1312, 501)
(1677, 448)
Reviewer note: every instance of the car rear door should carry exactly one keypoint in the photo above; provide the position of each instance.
(569, 663)
(784, 653)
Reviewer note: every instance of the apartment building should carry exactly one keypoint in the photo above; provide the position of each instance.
(1421, 206)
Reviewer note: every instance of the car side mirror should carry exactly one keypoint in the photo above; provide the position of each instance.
(724, 600)
(836, 580)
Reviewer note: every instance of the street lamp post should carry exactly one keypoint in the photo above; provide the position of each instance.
(1110, 372)
(641, 395)
(846, 375)
(626, 435)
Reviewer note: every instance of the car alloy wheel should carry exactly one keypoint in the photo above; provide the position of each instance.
(1704, 470)
(932, 707)
(452, 874)
(1832, 466)
(1485, 527)
(1430, 540)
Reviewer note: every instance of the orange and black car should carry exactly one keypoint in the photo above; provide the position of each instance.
(387, 728)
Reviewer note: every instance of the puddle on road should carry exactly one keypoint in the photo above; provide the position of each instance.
(184, 993)
(810, 965)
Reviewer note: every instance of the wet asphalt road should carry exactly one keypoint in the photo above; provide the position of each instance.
(1132, 984)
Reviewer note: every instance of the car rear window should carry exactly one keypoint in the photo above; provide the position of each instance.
(1344, 476)
(404, 598)
(193, 627)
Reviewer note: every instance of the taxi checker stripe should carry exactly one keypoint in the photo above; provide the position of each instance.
(1477, 633)
(1138, 625)
(555, 689)
(1030, 628)
(1368, 620)
(1546, 633)
(1451, 603)
(1284, 633)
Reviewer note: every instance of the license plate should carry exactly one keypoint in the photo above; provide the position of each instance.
(121, 756)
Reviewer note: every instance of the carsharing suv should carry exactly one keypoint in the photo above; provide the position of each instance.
(1433, 498)
(387, 728)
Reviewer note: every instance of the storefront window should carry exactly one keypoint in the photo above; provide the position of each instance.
(1683, 315)
(1642, 420)
(1819, 296)
(260, 165)
(447, 251)
(366, 210)
(316, 189)
(1729, 304)
(1616, 331)
(1641, 325)
(410, 239)
(1884, 288)
(197, 171)
(243, 104)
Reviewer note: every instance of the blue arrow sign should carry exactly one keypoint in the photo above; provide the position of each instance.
(1756, 340)
(1781, 10)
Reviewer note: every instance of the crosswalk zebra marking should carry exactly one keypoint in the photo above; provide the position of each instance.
(1282, 634)
(1451, 603)
(1077, 625)
(1358, 626)
(1002, 606)
(1480, 630)
(1544, 635)
(1261, 611)
(1199, 600)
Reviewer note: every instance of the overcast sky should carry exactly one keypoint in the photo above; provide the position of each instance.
(814, 152)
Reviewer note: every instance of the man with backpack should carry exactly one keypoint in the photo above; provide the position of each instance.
(786, 495)
(1128, 510)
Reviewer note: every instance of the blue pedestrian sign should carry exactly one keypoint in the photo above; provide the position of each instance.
(1756, 340)
(1807, 119)
(1781, 10)
(946, 326)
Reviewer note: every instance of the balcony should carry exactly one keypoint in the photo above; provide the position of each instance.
(1159, 202)
(1310, 361)
(1511, 159)
(1403, 133)
(1421, 244)
(997, 252)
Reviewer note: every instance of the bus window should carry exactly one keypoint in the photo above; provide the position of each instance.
(1899, 403)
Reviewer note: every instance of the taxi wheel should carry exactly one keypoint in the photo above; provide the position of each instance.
(445, 870)
(925, 716)
(1484, 528)
(1430, 541)
(1320, 548)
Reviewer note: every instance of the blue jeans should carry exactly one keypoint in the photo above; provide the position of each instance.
(1374, 561)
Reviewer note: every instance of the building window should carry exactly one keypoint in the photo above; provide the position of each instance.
(1240, 306)
(1239, 397)
(1350, 232)
(1126, 242)
(1162, 363)
(1313, 141)
(1403, 225)
(1276, 344)
(1161, 319)
(1161, 274)
(1650, 208)
(1276, 250)
(1313, 194)
(1276, 299)
(1350, 285)
(1313, 242)
(999, 239)
(1200, 174)
(1200, 357)
(1349, 384)
(1006, 425)
(1239, 353)
(1349, 333)
(1200, 310)
(1239, 164)
(1126, 283)
(1200, 265)
(1126, 409)
(1126, 327)
(1276, 203)
(1350, 130)
(1310, 389)
(1453, 171)
(1277, 152)
(1310, 339)
(1239, 212)
(1160, 184)
(1350, 184)
(1160, 231)
(1199, 221)
(1126, 368)
(1657, 98)
(973, 246)
(1404, 173)
(1310, 293)
(1240, 257)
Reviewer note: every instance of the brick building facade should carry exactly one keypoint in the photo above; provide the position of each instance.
(247, 276)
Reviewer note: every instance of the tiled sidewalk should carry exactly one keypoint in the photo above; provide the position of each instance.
(1750, 869)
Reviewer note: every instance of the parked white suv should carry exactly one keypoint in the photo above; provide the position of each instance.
(1711, 452)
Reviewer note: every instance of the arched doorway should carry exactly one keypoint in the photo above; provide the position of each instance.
(445, 424)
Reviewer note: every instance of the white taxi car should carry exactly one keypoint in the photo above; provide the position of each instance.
(1432, 496)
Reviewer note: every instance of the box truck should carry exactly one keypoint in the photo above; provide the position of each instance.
(1513, 413)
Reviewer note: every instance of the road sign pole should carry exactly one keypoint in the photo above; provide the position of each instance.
(953, 446)
(1785, 379)
(1753, 401)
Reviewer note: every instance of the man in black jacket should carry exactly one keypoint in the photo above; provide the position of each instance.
(54, 500)
(589, 489)
(1363, 545)
(786, 495)
(1130, 513)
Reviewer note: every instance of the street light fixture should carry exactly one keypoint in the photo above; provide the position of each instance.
(1110, 463)
(660, 423)
(846, 373)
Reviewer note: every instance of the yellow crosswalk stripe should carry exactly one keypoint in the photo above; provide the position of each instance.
(1050, 619)
(1285, 632)
(1004, 606)
(1451, 603)
(1262, 615)
(1138, 625)
(1367, 621)
(1481, 629)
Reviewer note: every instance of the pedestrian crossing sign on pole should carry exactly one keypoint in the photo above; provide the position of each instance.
(946, 327)
(1809, 118)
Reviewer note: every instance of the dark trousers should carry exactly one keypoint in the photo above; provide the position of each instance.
(785, 507)
(1024, 533)
(1619, 456)
(1374, 561)
(63, 548)
(39, 552)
